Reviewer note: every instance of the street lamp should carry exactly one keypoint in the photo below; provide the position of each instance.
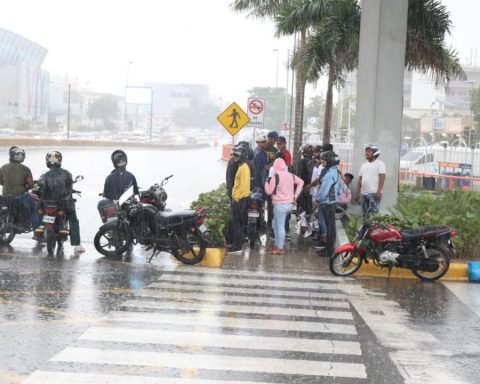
(68, 106)
(472, 83)
(276, 76)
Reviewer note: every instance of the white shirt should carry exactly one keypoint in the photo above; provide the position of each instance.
(370, 173)
(315, 176)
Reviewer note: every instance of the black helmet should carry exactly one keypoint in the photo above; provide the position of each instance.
(53, 159)
(240, 151)
(119, 158)
(16, 154)
(307, 150)
(330, 157)
(374, 148)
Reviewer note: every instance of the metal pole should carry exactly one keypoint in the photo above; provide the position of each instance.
(68, 112)
(291, 98)
(286, 87)
(151, 113)
(125, 94)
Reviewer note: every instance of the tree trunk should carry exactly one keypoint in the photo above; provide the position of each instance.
(327, 127)
(299, 102)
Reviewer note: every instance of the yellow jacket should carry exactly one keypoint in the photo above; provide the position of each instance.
(241, 185)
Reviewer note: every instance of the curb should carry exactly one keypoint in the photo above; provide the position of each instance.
(456, 272)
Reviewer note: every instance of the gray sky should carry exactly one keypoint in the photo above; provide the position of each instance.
(197, 41)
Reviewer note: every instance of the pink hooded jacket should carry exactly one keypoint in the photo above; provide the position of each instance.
(286, 181)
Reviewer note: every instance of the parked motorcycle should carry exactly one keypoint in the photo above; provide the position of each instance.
(425, 251)
(256, 216)
(155, 196)
(183, 234)
(14, 218)
(54, 216)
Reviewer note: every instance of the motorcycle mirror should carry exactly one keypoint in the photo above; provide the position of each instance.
(78, 178)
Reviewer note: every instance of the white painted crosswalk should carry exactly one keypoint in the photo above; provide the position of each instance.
(219, 327)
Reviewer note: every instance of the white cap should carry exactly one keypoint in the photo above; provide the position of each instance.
(260, 138)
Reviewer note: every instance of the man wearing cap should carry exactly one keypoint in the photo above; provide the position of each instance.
(260, 160)
(271, 150)
(282, 147)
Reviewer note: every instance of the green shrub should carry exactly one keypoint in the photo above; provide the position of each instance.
(216, 221)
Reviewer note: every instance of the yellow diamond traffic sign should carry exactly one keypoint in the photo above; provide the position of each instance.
(233, 119)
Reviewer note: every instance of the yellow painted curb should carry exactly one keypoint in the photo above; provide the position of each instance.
(213, 258)
(456, 272)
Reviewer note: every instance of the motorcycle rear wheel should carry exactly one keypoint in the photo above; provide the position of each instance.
(109, 242)
(192, 247)
(51, 239)
(345, 263)
(442, 256)
(7, 232)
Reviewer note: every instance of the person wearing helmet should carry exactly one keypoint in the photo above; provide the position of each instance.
(371, 180)
(240, 195)
(326, 197)
(16, 179)
(57, 184)
(119, 180)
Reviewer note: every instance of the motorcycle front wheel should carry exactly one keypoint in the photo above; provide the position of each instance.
(7, 232)
(345, 263)
(110, 242)
(191, 246)
(435, 266)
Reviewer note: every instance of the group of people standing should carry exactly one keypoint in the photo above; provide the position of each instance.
(315, 185)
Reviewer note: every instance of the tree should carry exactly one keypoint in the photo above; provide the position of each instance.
(274, 105)
(104, 108)
(334, 43)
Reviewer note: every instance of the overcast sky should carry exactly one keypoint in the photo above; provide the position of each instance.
(178, 41)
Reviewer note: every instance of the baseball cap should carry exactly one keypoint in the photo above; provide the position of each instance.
(272, 135)
(281, 139)
(260, 138)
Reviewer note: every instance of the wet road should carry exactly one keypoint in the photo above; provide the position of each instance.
(263, 319)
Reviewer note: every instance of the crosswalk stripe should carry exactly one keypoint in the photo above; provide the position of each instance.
(184, 269)
(215, 289)
(266, 284)
(207, 361)
(203, 319)
(344, 315)
(214, 340)
(240, 299)
(45, 377)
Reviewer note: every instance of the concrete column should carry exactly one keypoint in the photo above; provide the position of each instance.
(383, 35)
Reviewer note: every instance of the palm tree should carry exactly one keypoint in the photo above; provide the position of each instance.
(273, 9)
(334, 43)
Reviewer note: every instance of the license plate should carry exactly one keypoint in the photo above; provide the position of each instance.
(203, 228)
(253, 214)
(49, 219)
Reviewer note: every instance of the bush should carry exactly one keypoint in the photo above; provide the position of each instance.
(457, 208)
(216, 221)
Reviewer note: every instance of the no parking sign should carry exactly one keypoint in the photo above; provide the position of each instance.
(256, 109)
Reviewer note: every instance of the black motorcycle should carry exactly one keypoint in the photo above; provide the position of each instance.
(14, 218)
(256, 216)
(183, 234)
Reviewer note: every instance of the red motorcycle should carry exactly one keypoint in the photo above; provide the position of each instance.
(425, 251)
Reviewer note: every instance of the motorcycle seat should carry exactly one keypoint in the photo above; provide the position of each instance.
(169, 218)
(423, 232)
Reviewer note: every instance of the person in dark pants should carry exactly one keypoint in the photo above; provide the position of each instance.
(240, 195)
(302, 171)
(326, 197)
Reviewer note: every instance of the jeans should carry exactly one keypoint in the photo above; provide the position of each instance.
(370, 204)
(31, 207)
(280, 212)
(328, 212)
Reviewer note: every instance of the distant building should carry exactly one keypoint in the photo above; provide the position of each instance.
(23, 84)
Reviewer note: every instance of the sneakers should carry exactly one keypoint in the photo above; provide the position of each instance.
(288, 237)
(78, 249)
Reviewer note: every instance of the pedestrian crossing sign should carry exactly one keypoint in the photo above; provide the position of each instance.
(233, 118)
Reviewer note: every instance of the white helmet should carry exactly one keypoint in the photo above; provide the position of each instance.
(374, 148)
